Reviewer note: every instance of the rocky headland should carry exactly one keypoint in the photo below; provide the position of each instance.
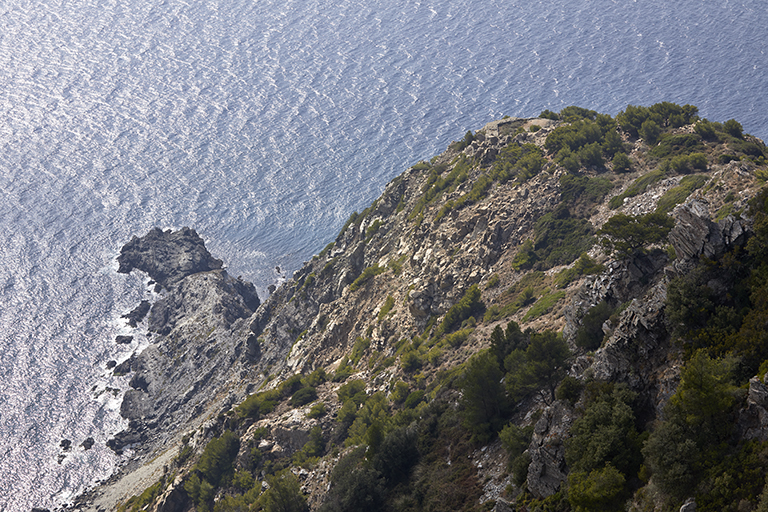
(373, 341)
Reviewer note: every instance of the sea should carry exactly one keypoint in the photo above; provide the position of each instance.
(263, 124)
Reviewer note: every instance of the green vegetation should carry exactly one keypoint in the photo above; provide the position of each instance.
(582, 190)
(437, 184)
(680, 193)
(663, 114)
(543, 305)
(367, 274)
(625, 235)
(484, 402)
(590, 333)
(469, 305)
(389, 303)
(416, 448)
(584, 266)
(558, 240)
(215, 465)
(140, 502)
(637, 187)
(521, 294)
(521, 162)
(284, 494)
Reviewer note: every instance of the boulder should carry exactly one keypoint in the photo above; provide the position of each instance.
(138, 313)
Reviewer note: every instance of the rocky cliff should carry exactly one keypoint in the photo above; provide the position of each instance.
(501, 229)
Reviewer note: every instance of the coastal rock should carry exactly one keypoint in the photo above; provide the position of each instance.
(123, 340)
(213, 294)
(167, 256)
(138, 313)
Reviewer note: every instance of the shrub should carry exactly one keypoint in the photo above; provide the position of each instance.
(612, 144)
(705, 130)
(569, 390)
(626, 234)
(678, 194)
(316, 411)
(389, 303)
(631, 119)
(414, 399)
(483, 402)
(410, 361)
(590, 335)
(284, 494)
(539, 367)
(575, 189)
(559, 238)
(600, 489)
(469, 305)
(637, 187)
(591, 155)
(621, 162)
(216, 461)
(606, 434)
(649, 132)
(258, 404)
(492, 281)
(519, 468)
(543, 305)
(733, 128)
(548, 114)
(515, 439)
(583, 266)
(698, 161)
(397, 454)
(354, 486)
(353, 391)
(358, 349)
(366, 276)
(303, 397)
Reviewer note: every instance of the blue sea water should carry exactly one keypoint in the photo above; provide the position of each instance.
(263, 124)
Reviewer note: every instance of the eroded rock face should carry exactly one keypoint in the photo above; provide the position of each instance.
(212, 295)
(753, 419)
(167, 256)
(695, 234)
(202, 322)
(548, 469)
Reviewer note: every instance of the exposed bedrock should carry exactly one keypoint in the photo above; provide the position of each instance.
(167, 256)
(201, 318)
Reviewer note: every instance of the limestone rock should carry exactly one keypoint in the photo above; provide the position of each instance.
(547, 469)
(213, 295)
(167, 256)
(689, 505)
(696, 234)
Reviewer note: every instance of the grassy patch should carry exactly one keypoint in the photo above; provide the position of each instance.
(637, 187)
(678, 194)
(389, 303)
(366, 276)
(543, 305)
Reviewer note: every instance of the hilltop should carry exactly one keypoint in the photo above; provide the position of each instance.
(564, 312)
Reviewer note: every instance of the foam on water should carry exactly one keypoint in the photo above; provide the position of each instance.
(264, 125)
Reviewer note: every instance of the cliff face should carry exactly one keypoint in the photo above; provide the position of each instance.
(497, 213)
